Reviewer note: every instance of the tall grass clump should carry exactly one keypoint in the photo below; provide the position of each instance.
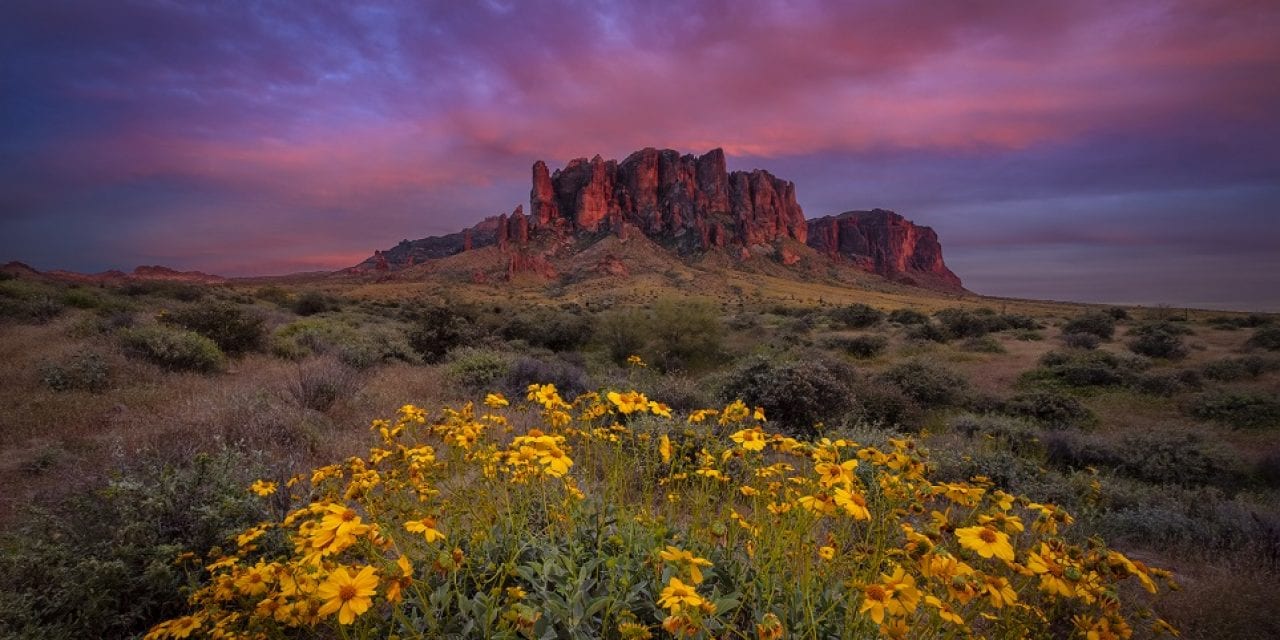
(173, 349)
(607, 517)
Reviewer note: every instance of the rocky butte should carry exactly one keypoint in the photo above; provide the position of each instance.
(689, 204)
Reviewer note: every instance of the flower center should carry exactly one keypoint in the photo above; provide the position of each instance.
(346, 592)
(348, 515)
(988, 536)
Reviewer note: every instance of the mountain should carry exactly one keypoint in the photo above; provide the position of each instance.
(149, 273)
(690, 206)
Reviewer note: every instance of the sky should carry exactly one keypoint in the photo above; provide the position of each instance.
(1110, 151)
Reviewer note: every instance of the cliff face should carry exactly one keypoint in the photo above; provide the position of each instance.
(688, 204)
(883, 242)
(666, 194)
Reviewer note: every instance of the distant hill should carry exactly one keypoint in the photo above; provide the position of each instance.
(689, 208)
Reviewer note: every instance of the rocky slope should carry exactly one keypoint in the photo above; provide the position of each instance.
(689, 205)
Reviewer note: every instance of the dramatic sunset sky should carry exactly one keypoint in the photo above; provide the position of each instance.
(1105, 151)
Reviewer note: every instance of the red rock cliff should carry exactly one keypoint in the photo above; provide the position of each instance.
(884, 242)
(667, 194)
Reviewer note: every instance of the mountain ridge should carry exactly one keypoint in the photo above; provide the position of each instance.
(689, 205)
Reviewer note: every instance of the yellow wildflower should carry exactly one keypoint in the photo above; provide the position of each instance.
(427, 527)
(664, 448)
(751, 439)
(678, 595)
(986, 542)
(686, 559)
(263, 488)
(347, 595)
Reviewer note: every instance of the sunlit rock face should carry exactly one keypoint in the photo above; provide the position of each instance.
(666, 194)
(883, 242)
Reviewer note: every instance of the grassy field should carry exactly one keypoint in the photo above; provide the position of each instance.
(133, 421)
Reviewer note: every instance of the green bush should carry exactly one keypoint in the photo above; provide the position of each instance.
(960, 323)
(28, 302)
(437, 330)
(1159, 344)
(1101, 325)
(313, 302)
(686, 335)
(1267, 337)
(1087, 368)
(477, 369)
(1166, 457)
(907, 317)
(180, 291)
(982, 344)
(886, 406)
(1118, 313)
(621, 334)
(554, 330)
(81, 298)
(570, 378)
(1086, 341)
(856, 316)
(1014, 434)
(1053, 409)
(356, 345)
(317, 384)
(928, 384)
(82, 371)
(1240, 410)
(859, 346)
(796, 396)
(102, 565)
(173, 349)
(1168, 384)
(228, 325)
(1232, 369)
(927, 332)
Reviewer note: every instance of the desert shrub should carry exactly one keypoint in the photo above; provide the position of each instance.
(1098, 324)
(1087, 368)
(927, 332)
(313, 302)
(81, 298)
(82, 371)
(1017, 435)
(561, 332)
(276, 295)
(1005, 469)
(796, 396)
(622, 334)
(884, 405)
(1167, 384)
(1180, 457)
(682, 394)
(1159, 344)
(1240, 410)
(907, 317)
(359, 346)
(982, 344)
(1169, 327)
(1267, 337)
(856, 316)
(1251, 321)
(180, 291)
(1027, 335)
(477, 369)
(28, 302)
(1232, 369)
(437, 330)
(1118, 313)
(930, 385)
(173, 349)
(569, 377)
(102, 565)
(230, 326)
(1085, 341)
(1053, 409)
(319, 383)
(859, 346)
(686, 335)
(960, 323)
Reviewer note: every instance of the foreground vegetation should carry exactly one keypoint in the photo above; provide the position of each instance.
(135, 419)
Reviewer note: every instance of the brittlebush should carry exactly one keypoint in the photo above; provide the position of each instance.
(607, 517)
